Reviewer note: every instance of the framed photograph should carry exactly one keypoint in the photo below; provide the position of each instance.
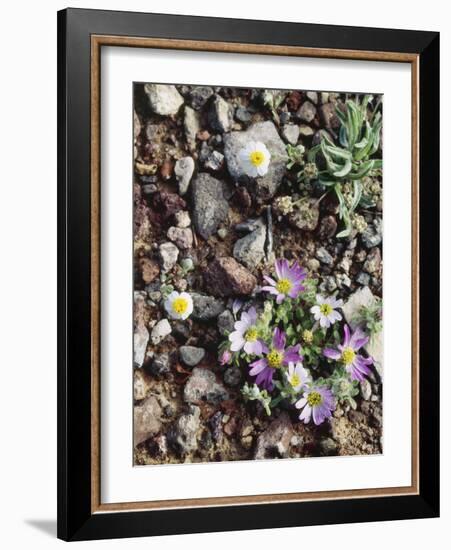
(248, 274)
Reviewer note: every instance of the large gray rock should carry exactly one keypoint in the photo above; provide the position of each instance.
(220, 115)
(265, 132)
(210, 207)
(275, 440)
(202, 386)
(206, 308)
(146, 420)
(184, 433)
(199, 96)
(191, 355)
(250, 249)
(363, 297)
(163, 99)
(372, 236)
(226, 322)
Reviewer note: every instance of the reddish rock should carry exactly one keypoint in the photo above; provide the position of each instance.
(167, 169)
(147, 420)
(203, 135)
(226, 277)
(149, 270)
(294, 101)
(167, 204)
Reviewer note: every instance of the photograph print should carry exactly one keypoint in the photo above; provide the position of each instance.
(257, 274)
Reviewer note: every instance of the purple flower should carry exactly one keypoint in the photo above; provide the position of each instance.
(275, 357)
(245, 335)
(288, 281)
(317, 402)
(225, 358)
(355, 364)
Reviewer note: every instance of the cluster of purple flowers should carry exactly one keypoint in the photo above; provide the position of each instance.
(272, 363)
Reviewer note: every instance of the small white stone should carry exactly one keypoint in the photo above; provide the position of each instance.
(184, 169)
(160, 331)
(182, 219)
(169, 254)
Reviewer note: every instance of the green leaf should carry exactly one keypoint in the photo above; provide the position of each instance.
(345, 170)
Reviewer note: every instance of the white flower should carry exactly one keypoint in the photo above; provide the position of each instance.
(324, 310)
(254, 159)
(179, 305)
(297, 376)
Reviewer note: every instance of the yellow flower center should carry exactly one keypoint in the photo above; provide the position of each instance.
(295, 380)
(326, 309)
(284, 286)
(307, 336)
(314, 398)
(251, 335)
(275, 358)
(347, 356)
(257, 158)
(180, 305)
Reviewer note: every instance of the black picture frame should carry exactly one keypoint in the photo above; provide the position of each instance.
(76, 520)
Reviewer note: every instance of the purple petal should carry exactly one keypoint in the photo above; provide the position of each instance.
(318, 417)
(301, 403)
(270, 289)
(306, 414)
(296, 290)
(347, 336)
(269, 280)
(257, 366)
(252, 313)
(280, 298)
(278, 266)
(278, 339)
(237, 341)
(292, 354)
(265, 348)
(358, 339)
(332, 353)
(264, 379)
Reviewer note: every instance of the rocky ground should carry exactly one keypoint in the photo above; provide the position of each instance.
(203, 227)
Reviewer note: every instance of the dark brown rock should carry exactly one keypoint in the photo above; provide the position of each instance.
(167, 204)
(226, 277)
(294, 101)
(242, 198)
(327, 228)
(329, 116)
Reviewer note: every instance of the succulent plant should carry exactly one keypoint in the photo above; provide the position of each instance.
(352, 159)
